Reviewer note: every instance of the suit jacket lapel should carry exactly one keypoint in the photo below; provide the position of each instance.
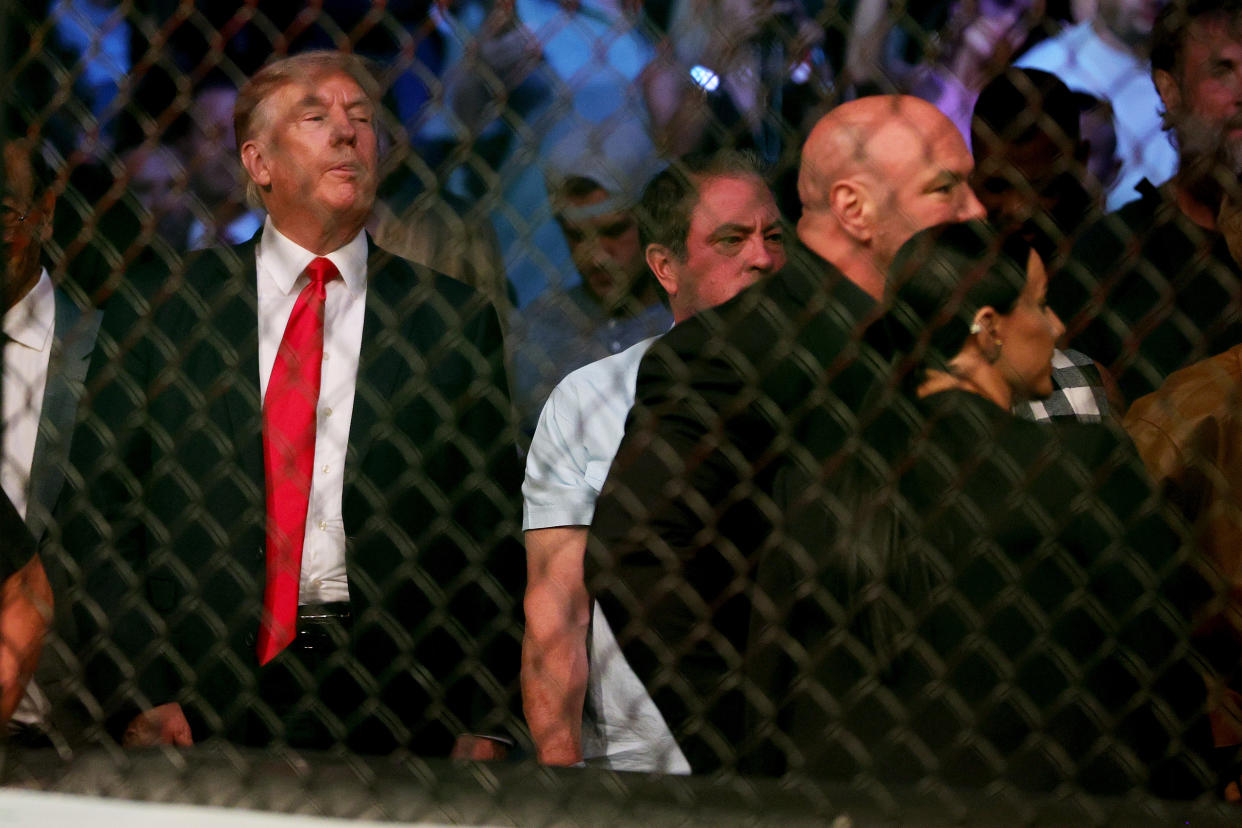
(236, 318)
(379, 364)
(73, 340)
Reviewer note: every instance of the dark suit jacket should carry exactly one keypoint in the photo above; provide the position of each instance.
(169, 527)
(73, 341)
(723, 401)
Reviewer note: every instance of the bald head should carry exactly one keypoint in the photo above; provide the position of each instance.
(874, 172)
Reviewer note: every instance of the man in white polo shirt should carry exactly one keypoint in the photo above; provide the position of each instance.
(710, 228)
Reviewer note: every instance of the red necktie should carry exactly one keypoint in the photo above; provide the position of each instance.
(289, 457)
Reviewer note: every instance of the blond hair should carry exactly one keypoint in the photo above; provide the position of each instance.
(251, 113)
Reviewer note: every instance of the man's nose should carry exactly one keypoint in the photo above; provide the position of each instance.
(761, 257)
(343, 129)
(972, 208)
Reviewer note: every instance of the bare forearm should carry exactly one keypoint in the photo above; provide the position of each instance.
(24, 616)
(554, 648)
(554, 678)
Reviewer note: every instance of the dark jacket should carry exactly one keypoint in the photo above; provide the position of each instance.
(722, 402)
(168, 525)
(982, 598)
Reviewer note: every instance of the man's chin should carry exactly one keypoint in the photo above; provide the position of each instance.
(348, 196)
(349, 211)
(604, 288)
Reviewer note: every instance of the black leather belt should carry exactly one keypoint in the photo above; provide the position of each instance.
(322, 628)
(323, 612)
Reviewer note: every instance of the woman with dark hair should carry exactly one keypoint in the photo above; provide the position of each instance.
(983, 599)
(968, 312)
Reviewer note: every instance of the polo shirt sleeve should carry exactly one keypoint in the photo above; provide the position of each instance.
(560, 488)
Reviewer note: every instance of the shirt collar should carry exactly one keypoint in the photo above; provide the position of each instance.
(285, 259)
(31, 320)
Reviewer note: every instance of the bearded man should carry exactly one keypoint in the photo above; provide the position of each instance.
(1157, 285)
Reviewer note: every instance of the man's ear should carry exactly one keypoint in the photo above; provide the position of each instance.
(1170, 92)
(255, 162)
(663, 264)
(851, 204)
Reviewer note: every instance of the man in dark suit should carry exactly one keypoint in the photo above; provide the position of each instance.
(726, 399)
(48, 341)
(298, 467)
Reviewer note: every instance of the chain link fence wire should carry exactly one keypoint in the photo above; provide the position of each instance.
(1001, 674)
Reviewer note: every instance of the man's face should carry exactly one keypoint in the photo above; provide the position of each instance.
(1130, 21)
(213, 162)
(1014, 181)
(25, 221)
(1030, 185)
(316, 161)
(604, 247)
(920, 174)
(158, 183)
(1204, 102)
(735, 239)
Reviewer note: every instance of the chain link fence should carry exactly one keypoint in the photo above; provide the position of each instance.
(1054, 644)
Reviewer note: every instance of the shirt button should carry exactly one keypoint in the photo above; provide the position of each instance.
(323, 526)
(327, 412)
(324, 469)
(325, 356)
(616, 346)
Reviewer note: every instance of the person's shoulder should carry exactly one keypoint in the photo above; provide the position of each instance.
(72, 305)
(391, 273)
(1151, 203)
(612, 372)
(198, 283)
(1208, 388)
(808, 304)
(1135, 220)
(596, 392)
(1089, 443)
(77, 322)
(558, 313)
(806, 287)
(973, 418)
(1053, 54)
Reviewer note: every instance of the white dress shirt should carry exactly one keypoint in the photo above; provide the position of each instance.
(280, 280)
(28, 329)
(27, 350)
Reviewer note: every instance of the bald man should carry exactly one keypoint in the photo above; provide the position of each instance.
(874, 172)
(689, 510)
